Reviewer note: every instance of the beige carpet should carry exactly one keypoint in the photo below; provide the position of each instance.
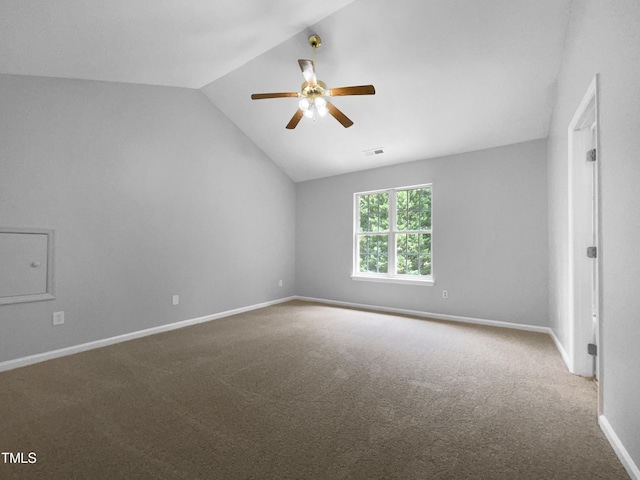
(308, 391)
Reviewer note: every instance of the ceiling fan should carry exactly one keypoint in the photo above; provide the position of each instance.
(313, 93)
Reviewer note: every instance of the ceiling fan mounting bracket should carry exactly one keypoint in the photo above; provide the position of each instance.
(315, 41)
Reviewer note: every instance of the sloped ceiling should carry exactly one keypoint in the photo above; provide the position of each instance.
(450, 75)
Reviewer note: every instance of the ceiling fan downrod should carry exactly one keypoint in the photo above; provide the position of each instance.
(315, 41)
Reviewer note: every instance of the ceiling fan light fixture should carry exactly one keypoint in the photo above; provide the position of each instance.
(304, 104)
(307, 106)
(321, 106)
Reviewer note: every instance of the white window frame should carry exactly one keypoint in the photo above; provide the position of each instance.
(390, 276)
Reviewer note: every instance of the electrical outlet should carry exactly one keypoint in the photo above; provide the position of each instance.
(445, 294)
(175, 300)
(58, 318)
(280, 283)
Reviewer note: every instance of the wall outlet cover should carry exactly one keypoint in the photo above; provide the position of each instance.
(58, 318)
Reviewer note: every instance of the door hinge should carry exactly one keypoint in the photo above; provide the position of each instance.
(592, 252)
(592, 349)
(592, 155)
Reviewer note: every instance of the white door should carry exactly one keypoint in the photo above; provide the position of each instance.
(583, 237)
(592, 155)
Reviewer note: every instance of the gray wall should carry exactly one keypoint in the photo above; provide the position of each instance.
(489, 241)
(604, 38)
(152, 192)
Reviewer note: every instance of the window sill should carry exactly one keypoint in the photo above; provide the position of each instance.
(425, 282)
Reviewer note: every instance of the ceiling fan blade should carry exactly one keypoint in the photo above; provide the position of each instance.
(309, 71)
(260, 96)
(359, 90)
(338, 115)
(293, 123)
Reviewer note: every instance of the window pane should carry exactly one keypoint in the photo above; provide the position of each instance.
(363, 263)
(414, 199)
(401, 210)
(372, 264)
(401, 245)
(383, 212)
(425, 198)
(413, 209)
(425, 242)
(363, 244)
(413, 252)
(425, 220)
(401, 200)
(424, 252)
(401, 264)
(412, 243)
(374, 212)
(382, 252)
(364, 213)
(412, 265)
(383, 222)
(425, 264)
(401, 220)
(413, 220)
(401, 253)
(425, 208)
(373, 253)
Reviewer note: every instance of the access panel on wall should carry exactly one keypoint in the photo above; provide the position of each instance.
(26, 265)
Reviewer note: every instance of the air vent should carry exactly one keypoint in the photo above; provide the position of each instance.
(373, 151)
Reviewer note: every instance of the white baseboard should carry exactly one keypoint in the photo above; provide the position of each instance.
(563, 352)
(618, 447)
(41, 357)
(436, 316)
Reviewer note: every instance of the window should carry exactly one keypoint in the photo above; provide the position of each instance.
(392, 240)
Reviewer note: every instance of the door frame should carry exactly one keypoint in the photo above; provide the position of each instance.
(579, 208)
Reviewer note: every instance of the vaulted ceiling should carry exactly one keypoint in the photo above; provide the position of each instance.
(450, 75)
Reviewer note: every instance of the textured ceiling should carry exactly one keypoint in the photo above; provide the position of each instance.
(450, 75)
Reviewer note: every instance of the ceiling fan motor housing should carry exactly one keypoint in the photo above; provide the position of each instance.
(312, 91)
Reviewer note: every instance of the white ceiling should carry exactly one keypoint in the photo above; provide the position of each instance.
(450, 75)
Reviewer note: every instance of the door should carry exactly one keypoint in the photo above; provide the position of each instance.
(584, 262)
(592, 156)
